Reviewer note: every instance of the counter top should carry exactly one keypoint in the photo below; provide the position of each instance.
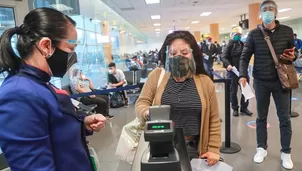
(180, 146)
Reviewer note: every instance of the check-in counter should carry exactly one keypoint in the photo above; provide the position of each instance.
(179, 145)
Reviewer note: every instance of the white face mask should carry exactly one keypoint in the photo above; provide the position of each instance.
(110, 71)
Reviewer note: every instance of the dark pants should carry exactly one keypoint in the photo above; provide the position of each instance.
(102, 102)
(208, 66)
(234, 90)
(263, 90)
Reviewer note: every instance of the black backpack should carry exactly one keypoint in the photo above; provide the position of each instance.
(116, 100)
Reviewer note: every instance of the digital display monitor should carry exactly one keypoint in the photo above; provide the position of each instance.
(158, 126)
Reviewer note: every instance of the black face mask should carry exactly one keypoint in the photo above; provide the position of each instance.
(60, 61)
(180, 66)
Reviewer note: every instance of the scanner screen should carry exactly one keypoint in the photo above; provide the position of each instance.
(158, 126)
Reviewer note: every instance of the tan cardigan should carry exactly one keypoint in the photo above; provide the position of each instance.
(210, 131)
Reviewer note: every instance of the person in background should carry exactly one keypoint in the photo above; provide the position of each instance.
(230, 58)
(117, 79)
(186, 85)
(266, 80)
(40, 129)
(209, 51)
(223, 45)
(78, 85)
(218, 52)
(298, 43)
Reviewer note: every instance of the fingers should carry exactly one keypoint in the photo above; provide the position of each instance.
(211, 162)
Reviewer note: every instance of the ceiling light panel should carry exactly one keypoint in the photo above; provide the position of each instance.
(155, 17)
(156, 24)
(204, 14)
(195, 22)
(152, 1)
(284, 9)
(157, 29)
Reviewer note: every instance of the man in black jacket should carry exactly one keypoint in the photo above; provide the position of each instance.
(266, 81)
(230, 58)
(209, 51)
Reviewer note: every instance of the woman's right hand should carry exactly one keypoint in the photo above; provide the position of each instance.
(146, 115)
(243, 81)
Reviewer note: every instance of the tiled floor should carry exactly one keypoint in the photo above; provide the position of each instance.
(105, 142)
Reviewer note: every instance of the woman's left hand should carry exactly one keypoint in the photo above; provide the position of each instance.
(211, 158)
(95, 122)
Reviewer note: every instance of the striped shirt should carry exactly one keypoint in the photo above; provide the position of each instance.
(185, 105)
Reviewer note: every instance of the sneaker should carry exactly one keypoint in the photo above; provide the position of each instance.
(126, 103)
(287, 162)
(246, 112)
(260, 155)
(235, 113)
(110, 117)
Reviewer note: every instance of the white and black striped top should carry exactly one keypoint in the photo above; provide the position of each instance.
(185, 105)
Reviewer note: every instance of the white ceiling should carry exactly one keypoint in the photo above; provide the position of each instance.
(181, 13)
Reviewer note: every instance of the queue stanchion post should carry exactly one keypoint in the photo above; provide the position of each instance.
(228, 147)
(292, 113)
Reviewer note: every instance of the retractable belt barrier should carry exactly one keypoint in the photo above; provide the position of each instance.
(228, 147)
(99, 92)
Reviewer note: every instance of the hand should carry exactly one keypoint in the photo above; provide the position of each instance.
(243, 81)
(146, 115)
(113, 85)
(92, 96)
(230, 67)
(211, 158)
(290, 56)
(95, 122)
(204, 54)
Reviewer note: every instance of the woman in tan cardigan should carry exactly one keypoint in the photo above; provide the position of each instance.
(190, 93)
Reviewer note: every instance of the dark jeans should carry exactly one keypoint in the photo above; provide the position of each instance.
(263, 90)
(234, 90)
(208, 66)
(102, 102)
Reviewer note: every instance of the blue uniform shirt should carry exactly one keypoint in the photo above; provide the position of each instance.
(39, 126)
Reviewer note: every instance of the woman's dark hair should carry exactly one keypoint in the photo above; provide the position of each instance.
(40, 22)
(189, 38)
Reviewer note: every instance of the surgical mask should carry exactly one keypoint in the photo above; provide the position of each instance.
(60, 62)
(237, 38)
(268, 17)
(110, 71)
(181, 66)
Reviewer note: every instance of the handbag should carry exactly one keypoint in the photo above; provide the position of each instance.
(286, 72)
(131, 132)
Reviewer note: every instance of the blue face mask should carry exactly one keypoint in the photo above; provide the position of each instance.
(237, 38)
(268, 17)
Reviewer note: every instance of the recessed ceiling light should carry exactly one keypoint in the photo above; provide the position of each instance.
(283, 18)
(157, 29)
(155, 17)
(152, 1)
(171, 31)
(234, 25)
(195, 22)
(284, 9)
(205, 14)
(156, 24)
(187, 28)
(157, 32)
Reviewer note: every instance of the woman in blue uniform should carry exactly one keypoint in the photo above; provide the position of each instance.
(40, 129)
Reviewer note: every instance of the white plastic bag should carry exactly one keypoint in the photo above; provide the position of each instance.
(128, 142)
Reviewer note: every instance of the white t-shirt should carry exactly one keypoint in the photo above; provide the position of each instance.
(120, 76)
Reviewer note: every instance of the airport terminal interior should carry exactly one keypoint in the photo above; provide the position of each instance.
(130, 34)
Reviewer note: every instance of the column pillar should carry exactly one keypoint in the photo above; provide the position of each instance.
(122, 38)
(214, 31)
(197, 36)
(107, 48)
(254, 20)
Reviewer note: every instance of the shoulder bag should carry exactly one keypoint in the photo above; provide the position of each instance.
(286, 72)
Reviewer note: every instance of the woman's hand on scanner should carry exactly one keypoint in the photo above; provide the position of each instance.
(211, 158)
(95, 122)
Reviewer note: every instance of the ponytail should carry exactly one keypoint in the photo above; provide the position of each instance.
(9, 61)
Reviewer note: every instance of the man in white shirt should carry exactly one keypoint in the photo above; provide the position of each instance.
(116, 78)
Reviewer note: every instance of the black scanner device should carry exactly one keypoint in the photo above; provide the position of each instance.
(161, 155)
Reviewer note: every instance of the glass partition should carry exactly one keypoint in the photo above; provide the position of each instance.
(7, 20)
